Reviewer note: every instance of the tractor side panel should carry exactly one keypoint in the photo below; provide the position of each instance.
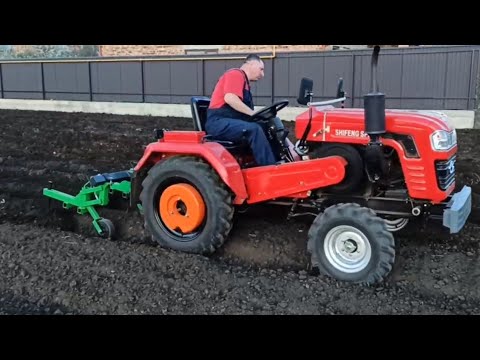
(293, 179)
(189, 143)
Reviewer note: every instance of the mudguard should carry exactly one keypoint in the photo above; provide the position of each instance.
(191, 143)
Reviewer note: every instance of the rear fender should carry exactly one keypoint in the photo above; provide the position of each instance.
(190, 144)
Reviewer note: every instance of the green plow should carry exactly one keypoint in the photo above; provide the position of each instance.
(96, 192)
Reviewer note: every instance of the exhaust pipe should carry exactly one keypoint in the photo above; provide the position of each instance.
(374, 102)
(374, 105)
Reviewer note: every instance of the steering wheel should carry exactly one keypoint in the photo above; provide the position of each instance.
(269, 111)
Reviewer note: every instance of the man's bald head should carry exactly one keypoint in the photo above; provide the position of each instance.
(253, 67)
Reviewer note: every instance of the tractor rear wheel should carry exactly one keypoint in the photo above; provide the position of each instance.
(186, 205)
(351, 243)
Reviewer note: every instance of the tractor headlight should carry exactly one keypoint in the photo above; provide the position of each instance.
(443, 140)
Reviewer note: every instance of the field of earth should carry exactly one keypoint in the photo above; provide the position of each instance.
(52, 262)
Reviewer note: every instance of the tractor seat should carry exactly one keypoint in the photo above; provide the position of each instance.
(199, 106)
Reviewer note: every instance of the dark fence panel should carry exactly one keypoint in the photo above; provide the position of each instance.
(22, 81)
(67, 81)
(117, 81)
(157, 82)
(186, 81)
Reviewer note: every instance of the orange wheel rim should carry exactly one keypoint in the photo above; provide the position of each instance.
(181, 207)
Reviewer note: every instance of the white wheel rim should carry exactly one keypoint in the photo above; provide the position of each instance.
(347, 249)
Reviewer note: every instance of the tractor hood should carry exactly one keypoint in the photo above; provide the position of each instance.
(326, 119)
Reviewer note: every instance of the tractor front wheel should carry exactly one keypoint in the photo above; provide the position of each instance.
(351, 243)
(186, 205)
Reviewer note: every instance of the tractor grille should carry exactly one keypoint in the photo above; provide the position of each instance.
(445, 172)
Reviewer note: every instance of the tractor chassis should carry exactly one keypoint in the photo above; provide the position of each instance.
(452, 212)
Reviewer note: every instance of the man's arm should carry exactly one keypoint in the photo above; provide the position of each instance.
(235, 102)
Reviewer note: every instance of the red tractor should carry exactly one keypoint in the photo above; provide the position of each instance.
(364, 173)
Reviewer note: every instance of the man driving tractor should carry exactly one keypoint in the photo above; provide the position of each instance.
(231, 107)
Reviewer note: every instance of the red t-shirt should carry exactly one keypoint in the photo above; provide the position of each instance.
(233, 81)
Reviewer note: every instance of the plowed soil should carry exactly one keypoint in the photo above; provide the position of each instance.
(52, 262)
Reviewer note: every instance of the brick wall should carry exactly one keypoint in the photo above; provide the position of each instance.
(152, 50)
(21, 48)
(140, 50)
(149, 50)
(268, 48)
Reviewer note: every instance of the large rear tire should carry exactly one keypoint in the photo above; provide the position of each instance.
(186, 205)
(350, 243)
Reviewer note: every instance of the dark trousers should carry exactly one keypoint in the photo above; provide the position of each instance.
(233, 130)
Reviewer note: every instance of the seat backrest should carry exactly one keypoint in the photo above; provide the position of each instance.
(199, 106)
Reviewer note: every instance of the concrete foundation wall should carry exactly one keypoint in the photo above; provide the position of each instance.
(461, 119)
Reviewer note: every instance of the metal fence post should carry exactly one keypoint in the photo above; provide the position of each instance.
(143, 80)
(476, 122)
(353, 80)
(90, 80)
(1, 80)
(273, 80)
(43, 81)
(472, 79)
(204, 92)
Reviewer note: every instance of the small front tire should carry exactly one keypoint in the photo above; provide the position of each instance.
(351, 243)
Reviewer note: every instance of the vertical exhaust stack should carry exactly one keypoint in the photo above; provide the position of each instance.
(375, 126)
(374, 103)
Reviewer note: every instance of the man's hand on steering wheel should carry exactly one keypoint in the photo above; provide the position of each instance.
(269, 112)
